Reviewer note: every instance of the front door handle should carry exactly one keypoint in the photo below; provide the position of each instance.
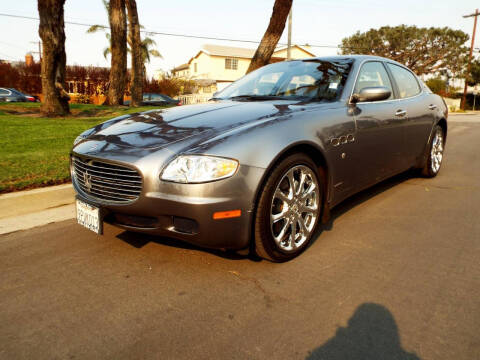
(432, 107)
(401, 113)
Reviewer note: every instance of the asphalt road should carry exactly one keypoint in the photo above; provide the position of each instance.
(396, 275)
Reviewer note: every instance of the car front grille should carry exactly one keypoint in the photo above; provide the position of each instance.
(105, 181)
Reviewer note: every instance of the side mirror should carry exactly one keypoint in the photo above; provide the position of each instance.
(376, 93)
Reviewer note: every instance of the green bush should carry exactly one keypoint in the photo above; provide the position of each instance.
(437, 85)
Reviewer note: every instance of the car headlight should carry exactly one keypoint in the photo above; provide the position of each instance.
(78, 139)
(198, 169)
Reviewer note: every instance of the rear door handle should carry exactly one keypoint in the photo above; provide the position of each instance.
(432, 107)
(401, 113)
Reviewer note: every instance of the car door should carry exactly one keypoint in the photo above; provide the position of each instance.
(420, 111)
(379, 127)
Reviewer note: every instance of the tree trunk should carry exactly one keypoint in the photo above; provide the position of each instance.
(136, 88)
(118, 68)
(54, 59)
(264, 52)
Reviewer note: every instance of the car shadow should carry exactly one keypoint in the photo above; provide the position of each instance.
(371, 333)
(138, 240)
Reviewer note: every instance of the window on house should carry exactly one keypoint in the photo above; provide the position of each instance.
(195, 67)
(231, 64)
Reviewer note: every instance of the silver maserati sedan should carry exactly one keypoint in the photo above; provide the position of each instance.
(260, 166)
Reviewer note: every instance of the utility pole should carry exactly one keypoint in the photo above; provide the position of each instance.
(289, 53)
(464, 98)
(39, 49)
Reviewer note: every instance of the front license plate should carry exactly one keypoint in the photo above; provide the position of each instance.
(89, 216)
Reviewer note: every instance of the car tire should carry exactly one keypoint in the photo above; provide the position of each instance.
(435, 153)
(285, 209)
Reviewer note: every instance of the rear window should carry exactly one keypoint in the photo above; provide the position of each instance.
(406, 82)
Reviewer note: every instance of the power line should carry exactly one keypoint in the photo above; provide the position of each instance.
(13, 45)
(11, 57)
(168, 34)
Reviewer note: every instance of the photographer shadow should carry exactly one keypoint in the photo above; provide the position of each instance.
(371, 334)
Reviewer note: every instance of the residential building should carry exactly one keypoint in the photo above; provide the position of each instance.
(221, 65)
(182, 71)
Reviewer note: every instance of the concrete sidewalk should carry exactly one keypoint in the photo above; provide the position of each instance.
(27, 209)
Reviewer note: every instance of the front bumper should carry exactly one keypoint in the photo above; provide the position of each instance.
(185, 211)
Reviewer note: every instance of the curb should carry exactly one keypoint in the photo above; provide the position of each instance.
(18, 208)
(463, 113)
(29, 201)
(40, 218)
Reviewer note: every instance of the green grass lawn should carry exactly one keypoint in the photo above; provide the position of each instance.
(34, 151)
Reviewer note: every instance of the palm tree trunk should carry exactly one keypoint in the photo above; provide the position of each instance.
(137, 59)
(52, 33)
(118, 69)
(264, 52)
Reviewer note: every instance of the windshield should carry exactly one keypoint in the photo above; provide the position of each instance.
(311, 79)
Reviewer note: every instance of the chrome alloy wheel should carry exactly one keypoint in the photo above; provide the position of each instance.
(436, 153)
(295, 207)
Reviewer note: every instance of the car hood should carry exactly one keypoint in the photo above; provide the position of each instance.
(159, 128)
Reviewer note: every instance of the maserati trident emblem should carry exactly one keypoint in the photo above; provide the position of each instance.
(87, 180)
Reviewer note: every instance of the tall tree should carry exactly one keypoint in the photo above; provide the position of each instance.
(143, 47)
(136, 88)
(52, 33)
(118, 69)
(424, 50)
(275, 28)
(474, 77)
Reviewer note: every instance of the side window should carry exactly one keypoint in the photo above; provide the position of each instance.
(373, 74)
(406, 81)
(4, 92)
(156, 97)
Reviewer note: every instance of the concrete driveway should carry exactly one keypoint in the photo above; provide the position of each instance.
(396, 275)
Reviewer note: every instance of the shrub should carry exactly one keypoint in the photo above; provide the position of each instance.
(437, 85)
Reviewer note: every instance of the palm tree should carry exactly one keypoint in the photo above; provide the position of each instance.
(147, 44)
(52, 33)
(118, 44)
(137, 56)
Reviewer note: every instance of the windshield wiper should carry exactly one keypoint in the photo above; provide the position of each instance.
(254, 97)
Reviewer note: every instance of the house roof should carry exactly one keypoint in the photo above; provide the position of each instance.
(230, 51)
(181, 67)
(236, 52)
(297, 46)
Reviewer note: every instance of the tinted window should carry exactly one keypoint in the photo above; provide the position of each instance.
(157, 97)
(167, 98)
(406, 82)
(4, 92)
(15, 92)
(310, 79)
(373, 74)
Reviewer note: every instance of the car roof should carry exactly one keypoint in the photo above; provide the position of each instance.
(352, 57)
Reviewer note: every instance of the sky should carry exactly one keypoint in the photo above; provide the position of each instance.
(317, 22)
